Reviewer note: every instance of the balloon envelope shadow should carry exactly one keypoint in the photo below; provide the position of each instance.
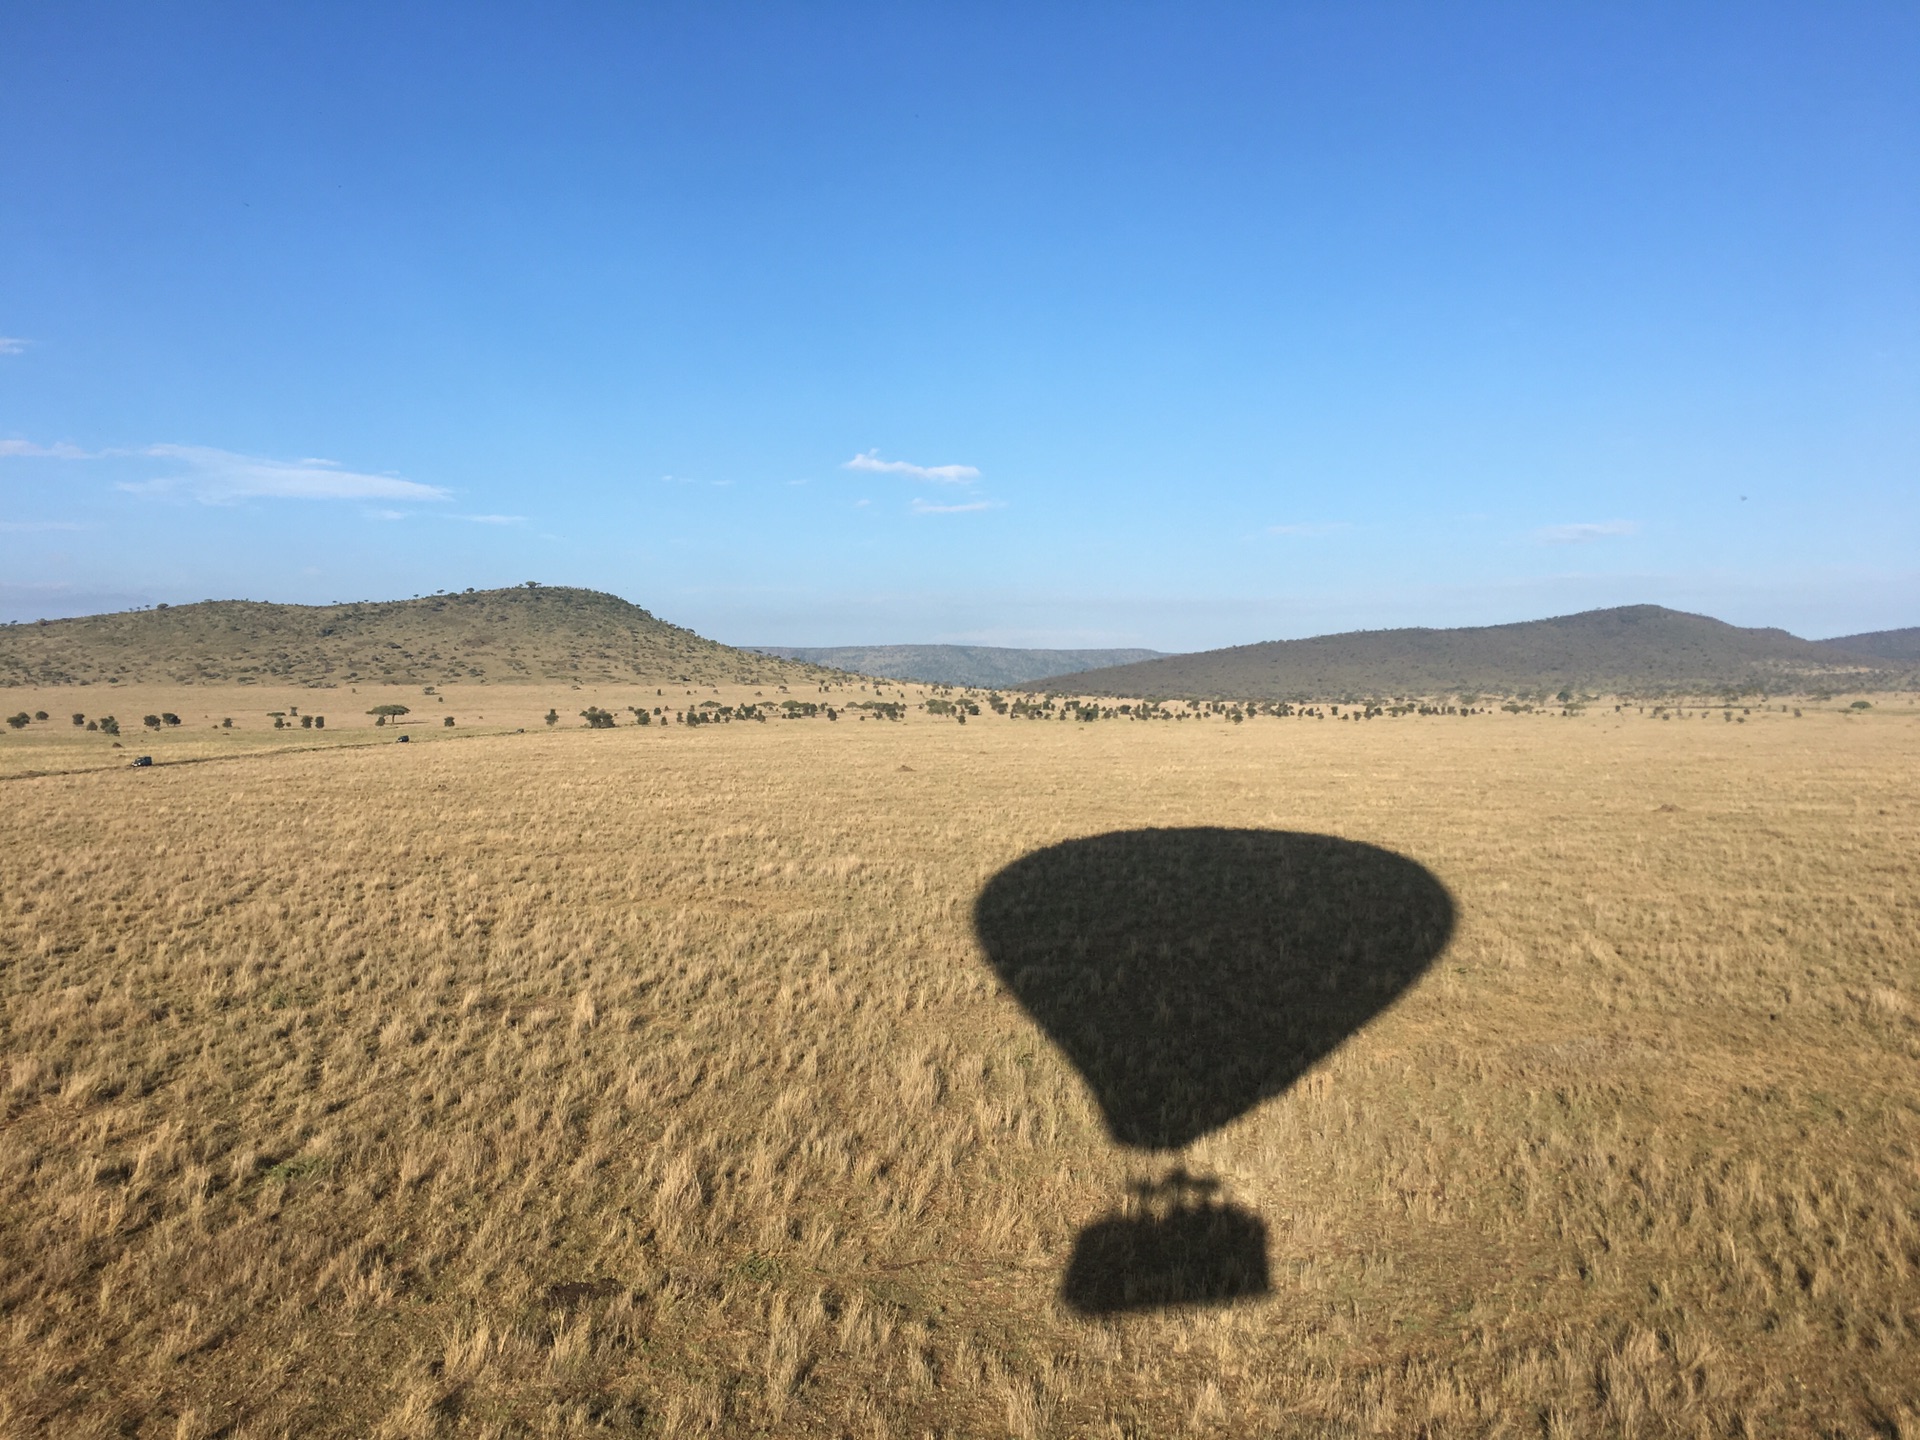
(1189, 975)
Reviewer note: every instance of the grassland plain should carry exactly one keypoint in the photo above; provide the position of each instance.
(57, 745)
(583, 1082)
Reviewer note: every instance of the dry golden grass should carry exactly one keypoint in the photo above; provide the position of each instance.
(654, 1081)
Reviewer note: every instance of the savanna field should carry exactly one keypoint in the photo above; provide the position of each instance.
(663, 1081)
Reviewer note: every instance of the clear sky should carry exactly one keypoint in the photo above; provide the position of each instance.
(1176, 325)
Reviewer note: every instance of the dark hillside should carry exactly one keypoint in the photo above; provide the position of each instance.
(1896, 645)
(1636, 649)
(529, 633)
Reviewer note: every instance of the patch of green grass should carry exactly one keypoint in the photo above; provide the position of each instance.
(297, 1168)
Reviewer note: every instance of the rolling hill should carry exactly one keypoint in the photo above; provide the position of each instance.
(1896, 645)
(980, 665)
(1636, 649)
(529, 633)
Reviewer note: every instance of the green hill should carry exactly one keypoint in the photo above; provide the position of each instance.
(1896, 645)
(529, 633)
(1636, 649)
(981, 665)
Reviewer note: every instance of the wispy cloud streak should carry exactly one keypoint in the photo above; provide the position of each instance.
(1581, 533)
(219, 477)
(924, 507)
(26, 449)
(942, 474)
(1308, 530)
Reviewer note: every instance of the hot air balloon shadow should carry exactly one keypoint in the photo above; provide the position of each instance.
(1190, 975)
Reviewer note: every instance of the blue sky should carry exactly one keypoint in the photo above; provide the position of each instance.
(1075, 324)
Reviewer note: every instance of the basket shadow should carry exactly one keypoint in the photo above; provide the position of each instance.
(1189, 975)
(1198, 1252)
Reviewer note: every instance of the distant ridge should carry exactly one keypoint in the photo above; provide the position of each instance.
(1894, 645)
(1636, 649)
(529, 633)
(980, 665)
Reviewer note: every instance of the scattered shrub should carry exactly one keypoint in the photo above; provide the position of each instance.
(319, 722)
(596, 718)
(79, 719)
(152, 722)
(448, 722)
(306, 722)
(109, 725)
(167, 717)
(553, 718)
(388, 712)
(20, 721)
(41, 714)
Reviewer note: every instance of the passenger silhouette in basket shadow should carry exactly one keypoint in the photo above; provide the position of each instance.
(1190, 975)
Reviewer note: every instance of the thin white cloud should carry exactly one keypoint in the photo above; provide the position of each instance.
(492, 519)
(1308, 530)
(943, 474)
(1581, 533)
(29, 527)
(13, 344)
(60, 450)
(922, 507)
(683, 480)
(221, 477)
